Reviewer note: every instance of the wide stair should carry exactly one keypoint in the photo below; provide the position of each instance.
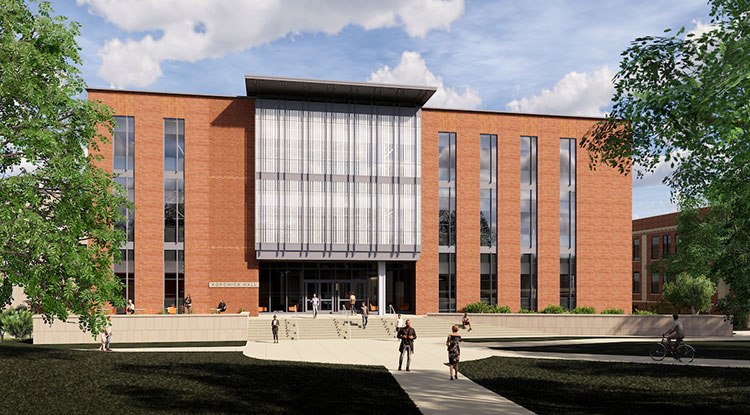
(378, 327)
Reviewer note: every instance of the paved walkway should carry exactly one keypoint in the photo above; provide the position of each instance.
(428, 384)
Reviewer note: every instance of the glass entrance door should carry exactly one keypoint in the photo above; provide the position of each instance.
(324, 291)
(358, 287)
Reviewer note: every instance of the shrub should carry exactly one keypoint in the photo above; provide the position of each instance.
(500, 309)
(613, 311)
(584, 310)
(479, 307)
(3, 314)
(523, 311)
(240, 311)
(643, 312)
(687, 291)
(553, 309)
(18, 323)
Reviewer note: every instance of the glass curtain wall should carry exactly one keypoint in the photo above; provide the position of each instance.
(447, 222)
(568, 223)
(337, 181)
(174, 213)
(488, 218)
(528, 223)
(124, 170)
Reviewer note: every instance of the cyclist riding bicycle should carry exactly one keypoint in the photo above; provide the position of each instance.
(675, 332)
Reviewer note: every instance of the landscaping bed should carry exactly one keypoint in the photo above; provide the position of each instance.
(39, 379)
(564, 386)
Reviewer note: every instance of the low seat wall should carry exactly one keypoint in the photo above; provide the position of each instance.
(598, 324)
(149, 329)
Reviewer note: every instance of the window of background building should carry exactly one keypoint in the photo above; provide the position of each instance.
(636, 282)
(174, 213)
(447, 222)
(654, 283)
(488, 218)
(528, 223)
(123, 167)
(637, 249)
(667, 239)
(676, 240)
(568, 223)
(654, 247)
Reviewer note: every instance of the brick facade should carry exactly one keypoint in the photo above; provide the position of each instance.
(219, 190)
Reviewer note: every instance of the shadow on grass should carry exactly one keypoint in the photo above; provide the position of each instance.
(559, 386)
(193, 383)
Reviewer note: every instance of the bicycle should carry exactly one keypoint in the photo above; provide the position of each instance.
(682, 351)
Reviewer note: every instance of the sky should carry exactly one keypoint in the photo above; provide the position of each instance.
(543, 56)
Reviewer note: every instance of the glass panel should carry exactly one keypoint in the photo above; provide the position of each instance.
(636, 282)
(654, 283)
(131, 142)
(444, 156)
(637, 249)
(654, 247)
(485, 154)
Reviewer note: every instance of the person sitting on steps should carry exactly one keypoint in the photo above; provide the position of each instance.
(466, 321)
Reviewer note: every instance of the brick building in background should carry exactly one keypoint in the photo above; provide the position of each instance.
(653, 239)
(327, 187)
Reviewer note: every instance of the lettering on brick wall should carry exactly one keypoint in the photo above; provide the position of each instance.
(233, 285)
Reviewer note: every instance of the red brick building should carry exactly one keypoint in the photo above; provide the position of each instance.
(323, 187)
(654, 238)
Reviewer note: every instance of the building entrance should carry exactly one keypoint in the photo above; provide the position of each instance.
(334, 295)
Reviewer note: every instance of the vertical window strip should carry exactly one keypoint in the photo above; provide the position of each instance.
(528, 215)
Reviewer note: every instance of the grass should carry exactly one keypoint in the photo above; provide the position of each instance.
(564, 386)
(39, 380)
(144, 345)
(735, 350)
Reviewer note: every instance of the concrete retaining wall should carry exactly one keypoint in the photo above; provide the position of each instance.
(599, 324)
(150, 328)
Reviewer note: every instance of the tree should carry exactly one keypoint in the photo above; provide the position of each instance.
(685, 100)
(687, 291)
(57, 210)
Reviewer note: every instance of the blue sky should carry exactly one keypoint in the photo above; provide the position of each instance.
(535, 56)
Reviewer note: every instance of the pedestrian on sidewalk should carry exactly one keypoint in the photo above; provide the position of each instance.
(454, 351)
(315, 303)
(352, 302)
(407, 336)
(275, 329)
(399, 325)
(108, 334)
(364, 315)
(188, 304)
(466, 321)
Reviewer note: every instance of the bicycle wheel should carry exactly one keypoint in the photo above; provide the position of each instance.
(686, 353)
(657, 351)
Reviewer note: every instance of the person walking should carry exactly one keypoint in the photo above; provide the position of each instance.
(352, 302)
(454, 351)
(188, 304)
(407, 336)
(275, 329)
(364, 315)
(108, 334)
(399, 325)
(315, 304)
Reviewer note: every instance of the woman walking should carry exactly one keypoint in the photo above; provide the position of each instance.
(454, 352)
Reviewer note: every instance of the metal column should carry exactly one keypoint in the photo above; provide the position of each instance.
(381, 288)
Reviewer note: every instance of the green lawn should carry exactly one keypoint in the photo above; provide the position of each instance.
(526, 339)
(564, 386)
(737, 350)
(37, 379)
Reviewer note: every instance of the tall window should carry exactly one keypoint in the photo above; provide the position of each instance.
(174, 212)
(667, 241)
(676, 242)
(488, 217)
(637, 249)
(528, 223)
(654, 283)
(447, 222)
(654, 247)
(123, 167)
(636, 282)
(568, 223)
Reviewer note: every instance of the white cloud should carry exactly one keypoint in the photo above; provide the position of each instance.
(197, 29)
(412, 70)
(701, 28)
(575, 94)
